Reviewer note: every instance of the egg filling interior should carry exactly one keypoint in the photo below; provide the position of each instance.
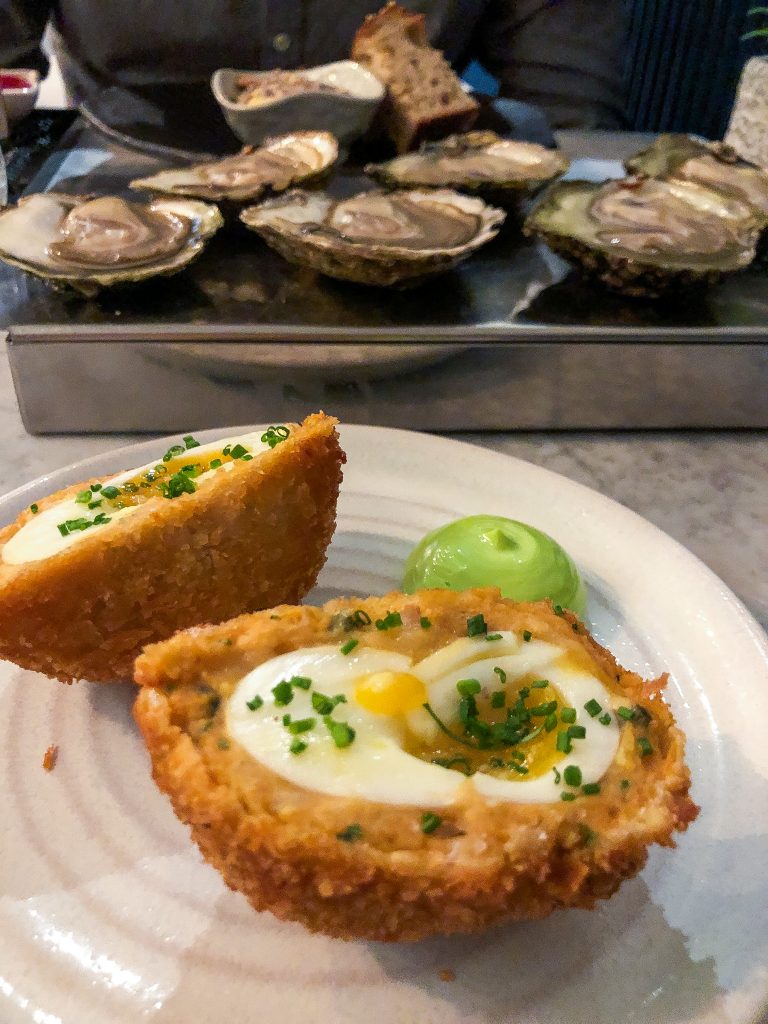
(182, 470)
(514, 718)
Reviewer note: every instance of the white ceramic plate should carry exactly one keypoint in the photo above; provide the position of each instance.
(109, 916)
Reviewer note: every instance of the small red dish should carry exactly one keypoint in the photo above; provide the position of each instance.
(19, 88)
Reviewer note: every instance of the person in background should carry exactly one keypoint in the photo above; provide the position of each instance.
(143, 66)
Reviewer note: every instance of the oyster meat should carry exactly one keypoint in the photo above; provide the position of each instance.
(711, 165)
(379, 238)
(277, 164)
(474, 162)
(89, 244)
(643, 236)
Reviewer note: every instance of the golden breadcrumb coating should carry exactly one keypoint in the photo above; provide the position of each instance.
(251, 537)
(278, 843)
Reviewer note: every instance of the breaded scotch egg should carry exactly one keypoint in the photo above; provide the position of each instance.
(410, 765)
(91, 574)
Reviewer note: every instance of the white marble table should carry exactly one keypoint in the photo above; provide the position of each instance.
(708, 490)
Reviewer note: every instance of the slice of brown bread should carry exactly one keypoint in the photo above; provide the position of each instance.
(425, 99)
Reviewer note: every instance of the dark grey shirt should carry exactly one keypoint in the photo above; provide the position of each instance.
(147, 62)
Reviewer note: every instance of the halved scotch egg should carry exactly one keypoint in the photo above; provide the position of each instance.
(398, 767)
(91, 574)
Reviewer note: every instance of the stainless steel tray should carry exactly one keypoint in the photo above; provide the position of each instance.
(510, 339)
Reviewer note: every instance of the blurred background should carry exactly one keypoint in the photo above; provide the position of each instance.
(669, 43)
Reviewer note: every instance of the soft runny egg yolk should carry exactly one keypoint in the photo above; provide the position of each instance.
(390, 693)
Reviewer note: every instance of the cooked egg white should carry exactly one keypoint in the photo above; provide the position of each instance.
(384, 694)
(40, 537)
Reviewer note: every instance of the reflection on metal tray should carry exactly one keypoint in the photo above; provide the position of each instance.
(241, 313)
(69, 386)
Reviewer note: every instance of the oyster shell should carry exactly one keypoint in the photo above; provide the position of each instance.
(88, 244)
(474, 162)
(380, 238)
(711, 165)
(277, 164)
(643, 236)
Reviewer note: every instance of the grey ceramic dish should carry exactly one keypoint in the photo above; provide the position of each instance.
(347, 115)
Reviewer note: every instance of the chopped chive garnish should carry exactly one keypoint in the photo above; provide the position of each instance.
(109, 492)
(572, 775)
(527, 634)
(557, 609)
(540, 684)
(283, 693)
(255, 703)
(223, 743)
(567, 796)
(563, 743)
(190, 442)
(95, 487)
(625, 783)
(644, 747)
(286, 719)
(550, 723)
(95, 504)
(568, 715)
(351, 833)
(215, 463)
(302, 682)
(83, 497)
(501, 674)
(176, 485)
(449, 762)
(227, 641)
(493, 636)
(238, 451)
(174, 451)
(274, 435)
(350, 645)
(429, 822)
(297, 746)
(590, 788)
(325, 705)
(519, 768)
(468, 687)
(444, 728)
(33, 508)
(424, 622)
(592, 708)
(577, 732)
(557, 776)
(498, 699)
(341, 733)
(476, 625)
(543, 710)
(605, 719)
(301, 725)
(588, 836)
(626, 713)
(390, 621)
(360, 617)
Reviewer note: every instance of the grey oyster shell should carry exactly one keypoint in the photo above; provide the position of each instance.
(713, 165)
(277, 164)
(642, 236)
(88, 244)
(481, 162)
(378, 238)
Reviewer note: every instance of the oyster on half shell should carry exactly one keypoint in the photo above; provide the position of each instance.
(380, 238)
(712, 165)
(479, 161)
(642, 236)
(88, 244)
(277, 165)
